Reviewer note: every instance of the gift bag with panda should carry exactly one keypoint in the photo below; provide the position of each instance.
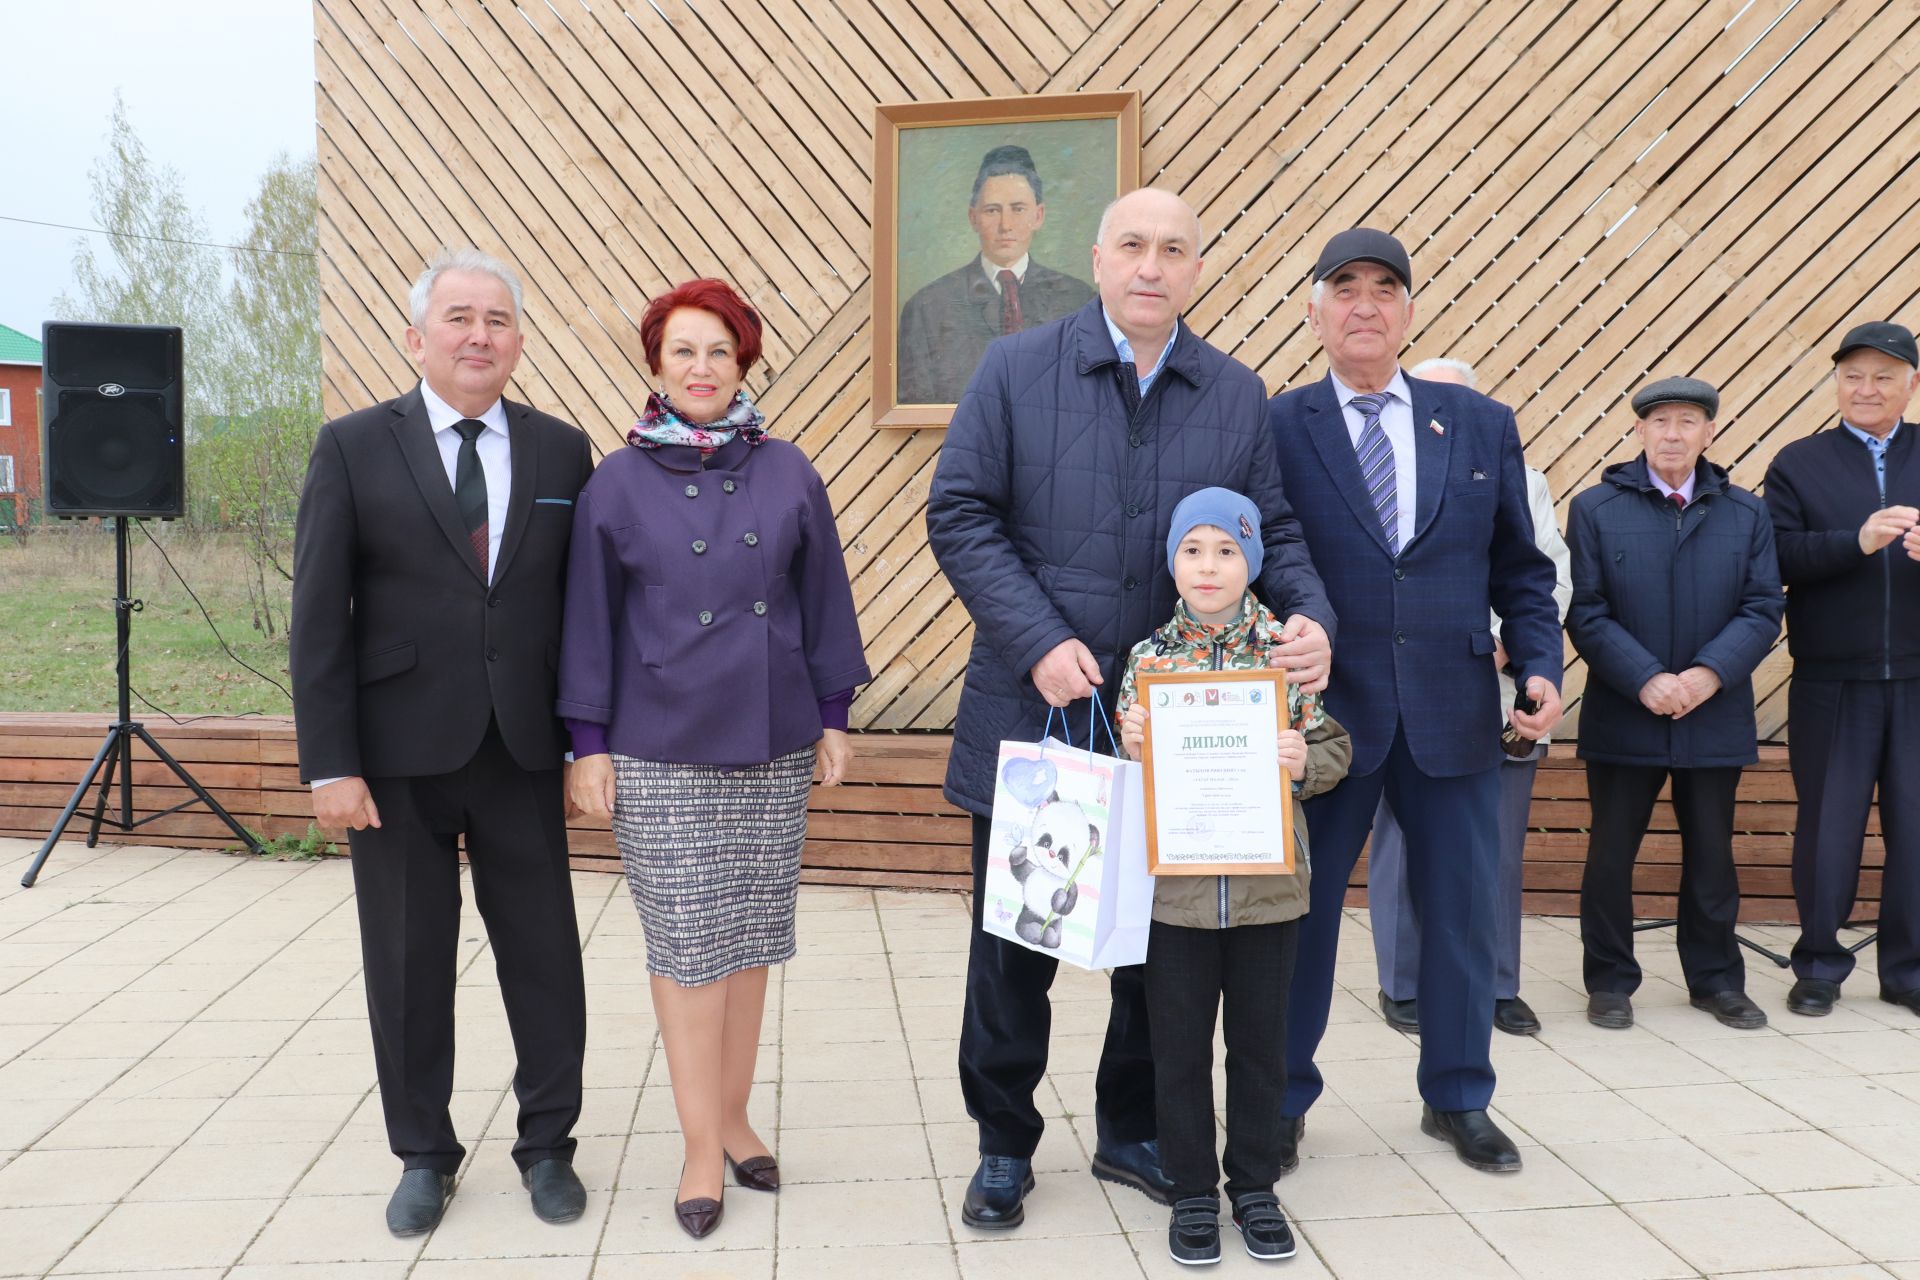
(1067, 858)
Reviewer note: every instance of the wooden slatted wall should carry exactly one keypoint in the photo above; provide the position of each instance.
(1595, 193)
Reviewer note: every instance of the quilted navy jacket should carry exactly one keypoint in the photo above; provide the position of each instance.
(1050, 507)
(1660, 589)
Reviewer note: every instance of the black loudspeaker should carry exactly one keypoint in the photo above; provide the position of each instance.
(113, 439)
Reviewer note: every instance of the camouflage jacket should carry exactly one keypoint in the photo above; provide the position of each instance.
(1187, 644)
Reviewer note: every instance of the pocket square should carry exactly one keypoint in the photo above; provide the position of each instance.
(556, 502)
(1478, 474)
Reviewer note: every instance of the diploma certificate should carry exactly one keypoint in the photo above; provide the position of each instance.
(1218, 802)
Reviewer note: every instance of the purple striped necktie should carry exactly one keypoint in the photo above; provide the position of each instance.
(1375, 453)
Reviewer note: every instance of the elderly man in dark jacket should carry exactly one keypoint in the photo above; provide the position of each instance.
(1676, 599)
(1049, 510)
(1846, 509)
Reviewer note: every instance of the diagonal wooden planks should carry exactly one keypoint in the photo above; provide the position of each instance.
(1594, 194)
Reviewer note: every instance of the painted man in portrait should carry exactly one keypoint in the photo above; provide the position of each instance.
(946, 326)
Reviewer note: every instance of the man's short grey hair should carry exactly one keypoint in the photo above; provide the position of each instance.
(1320, 288)
(460, 258)
(1461, 367)
(1100, 233)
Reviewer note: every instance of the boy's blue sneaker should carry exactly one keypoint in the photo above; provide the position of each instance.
(1262, 1226)
(994, 1196)
(1136, 1165)
(1193, 1233)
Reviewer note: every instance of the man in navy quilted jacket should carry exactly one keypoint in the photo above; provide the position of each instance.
(1066, 456)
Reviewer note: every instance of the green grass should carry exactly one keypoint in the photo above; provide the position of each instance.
(57, 626)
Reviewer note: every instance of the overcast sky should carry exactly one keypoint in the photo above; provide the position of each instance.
(213, 87)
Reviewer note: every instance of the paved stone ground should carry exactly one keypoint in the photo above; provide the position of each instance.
(186, 1092)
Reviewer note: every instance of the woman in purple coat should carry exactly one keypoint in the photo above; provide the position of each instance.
(709, 654)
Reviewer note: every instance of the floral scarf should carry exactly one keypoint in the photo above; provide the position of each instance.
(661, 424)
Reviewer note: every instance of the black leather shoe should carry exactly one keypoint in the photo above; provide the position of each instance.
(1136, 1165)
(1609, 1009)
(1813, 997)
(1515, 1017)
(1401, 1015)
(418, 1202)
(1291, 1129)
(557, 1193)
(1193, 1233)
(1263, 1228)
(755, 1173)
(994, 1196)
(1908, 1000)
(1732, 1009)
(1476, 1139)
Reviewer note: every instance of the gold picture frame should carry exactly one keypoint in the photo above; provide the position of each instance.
(931, 291)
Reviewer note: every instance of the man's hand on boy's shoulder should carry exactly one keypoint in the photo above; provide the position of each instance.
(1304, 652)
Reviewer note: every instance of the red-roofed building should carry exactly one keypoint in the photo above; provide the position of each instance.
(19, 424)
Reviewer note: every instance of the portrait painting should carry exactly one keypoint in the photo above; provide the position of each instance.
(986, 214)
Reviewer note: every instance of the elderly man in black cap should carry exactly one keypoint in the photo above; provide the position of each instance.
(1413, 499)
(1846, 510)
(1676, 599)
(946, 326)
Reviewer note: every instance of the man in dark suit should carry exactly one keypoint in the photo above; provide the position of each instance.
(946, 326)
(1676, 599)
(1412, 496)
(429, 558)
(1846, 513)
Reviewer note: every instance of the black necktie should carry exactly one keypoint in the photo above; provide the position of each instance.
(470, 488)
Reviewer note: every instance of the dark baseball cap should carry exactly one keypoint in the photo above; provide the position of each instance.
(1676, 391)
(1364, 244)
(1882, 335)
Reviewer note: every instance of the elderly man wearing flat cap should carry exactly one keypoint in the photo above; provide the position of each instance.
(1846, 512)
(1676, 599)
(1413, 498)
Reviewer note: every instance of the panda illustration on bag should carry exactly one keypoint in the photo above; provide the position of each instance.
(1044, 865)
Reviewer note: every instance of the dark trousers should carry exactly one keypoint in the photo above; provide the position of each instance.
(406, 877)
(1190, 974)
(1003, 1039)
(1849, 737)
(1452, 869)
(1622, 797)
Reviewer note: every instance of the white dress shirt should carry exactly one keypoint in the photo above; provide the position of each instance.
(1684, 489)
(496, 460)
(1396, 419)
(1019, 270)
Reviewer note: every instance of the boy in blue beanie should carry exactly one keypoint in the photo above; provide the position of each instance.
(1225, 936)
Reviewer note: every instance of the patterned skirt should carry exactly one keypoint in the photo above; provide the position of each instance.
(712, 857)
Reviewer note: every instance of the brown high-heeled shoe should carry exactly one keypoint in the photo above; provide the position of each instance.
(756, 1173)
(700, 1215)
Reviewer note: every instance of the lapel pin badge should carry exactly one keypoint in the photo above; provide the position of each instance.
(1433, 425)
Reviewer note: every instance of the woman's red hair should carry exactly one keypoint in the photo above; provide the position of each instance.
(714, 296)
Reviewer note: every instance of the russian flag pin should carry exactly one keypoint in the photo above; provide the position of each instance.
(1433, 425)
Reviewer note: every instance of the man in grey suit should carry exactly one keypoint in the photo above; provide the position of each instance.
(1396, 926)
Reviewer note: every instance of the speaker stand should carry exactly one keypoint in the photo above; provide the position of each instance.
(1758, 948)
(115, 756)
